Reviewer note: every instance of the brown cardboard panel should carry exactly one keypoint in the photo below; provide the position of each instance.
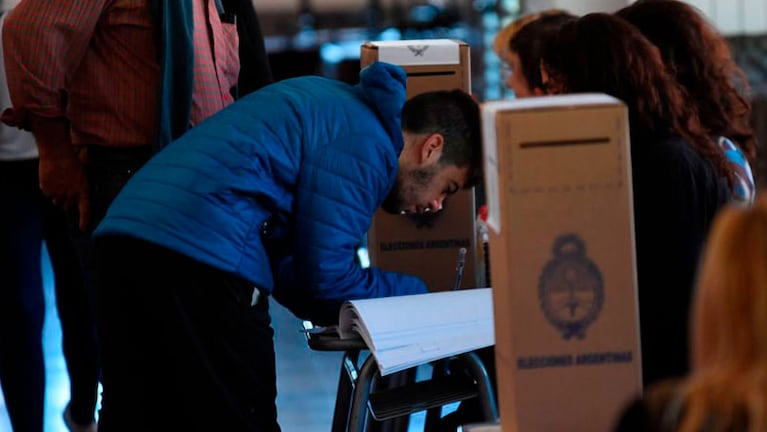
(562, 262)
(427, 246)
(425, 77)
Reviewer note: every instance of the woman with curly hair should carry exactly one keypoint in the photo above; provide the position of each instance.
(680, 175)
(701, 61)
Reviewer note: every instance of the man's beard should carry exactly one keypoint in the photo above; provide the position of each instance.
(420, 179)
(393, 202)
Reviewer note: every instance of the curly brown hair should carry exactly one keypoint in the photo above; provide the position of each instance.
(603, 53)
(701, 60)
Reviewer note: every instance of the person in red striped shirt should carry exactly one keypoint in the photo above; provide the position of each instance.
(104, 84)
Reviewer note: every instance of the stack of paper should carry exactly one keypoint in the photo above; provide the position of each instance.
(407, 331)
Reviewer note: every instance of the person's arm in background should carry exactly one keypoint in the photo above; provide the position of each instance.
(44, 43)
(255, 71)
(336, 197)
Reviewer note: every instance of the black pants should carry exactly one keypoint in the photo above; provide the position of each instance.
(26, 220)
(182, 347)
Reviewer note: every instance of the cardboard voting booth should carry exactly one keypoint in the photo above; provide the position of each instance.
(427, 245)
(562, 261)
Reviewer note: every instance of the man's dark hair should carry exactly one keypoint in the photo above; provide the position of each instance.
(455, 115)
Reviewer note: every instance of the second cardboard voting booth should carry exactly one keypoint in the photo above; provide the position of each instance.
(559, 194)
(427, 245)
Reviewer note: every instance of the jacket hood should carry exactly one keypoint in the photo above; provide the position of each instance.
(382, 86)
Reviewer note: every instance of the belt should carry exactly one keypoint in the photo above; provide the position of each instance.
(119, 154)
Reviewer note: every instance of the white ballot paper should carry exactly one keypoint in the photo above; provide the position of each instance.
(406, 331)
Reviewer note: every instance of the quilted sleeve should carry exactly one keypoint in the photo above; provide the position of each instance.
(338, 191)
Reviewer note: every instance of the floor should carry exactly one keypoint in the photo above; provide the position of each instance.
(306, 380)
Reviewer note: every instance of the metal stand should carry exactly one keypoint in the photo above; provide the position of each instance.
(362, 402)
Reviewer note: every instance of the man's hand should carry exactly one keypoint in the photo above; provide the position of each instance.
(62, 174)
(63, 180)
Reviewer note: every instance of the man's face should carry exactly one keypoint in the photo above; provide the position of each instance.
(424, 189)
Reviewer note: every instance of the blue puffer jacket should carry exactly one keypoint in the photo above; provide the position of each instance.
(279, 188)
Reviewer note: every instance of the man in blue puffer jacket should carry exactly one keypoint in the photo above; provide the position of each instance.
(270, 195)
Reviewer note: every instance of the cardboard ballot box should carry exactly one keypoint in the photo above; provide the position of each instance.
(430, 64)
(427, 245)
(562, 261)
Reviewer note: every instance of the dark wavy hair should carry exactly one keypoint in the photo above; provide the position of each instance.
(603, 53)
(700, 59)
(455, 115)
(529, 42)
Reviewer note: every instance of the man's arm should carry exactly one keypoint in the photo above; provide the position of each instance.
(61, 171)
(44, 43)
(336, 196)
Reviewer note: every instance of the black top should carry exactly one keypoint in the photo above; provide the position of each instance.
(677, 192)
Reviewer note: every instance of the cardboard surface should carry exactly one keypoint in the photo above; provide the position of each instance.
(443, 65)
(428, 245)
(562, 262)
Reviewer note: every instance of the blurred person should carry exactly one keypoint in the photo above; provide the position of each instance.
(519, 45)
(26, 221)
(699, 57)
(269, 196)
(103, 85)
(727, 387)
(680, 175)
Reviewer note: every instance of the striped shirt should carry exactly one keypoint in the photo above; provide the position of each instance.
(95, 62)
(216, 61)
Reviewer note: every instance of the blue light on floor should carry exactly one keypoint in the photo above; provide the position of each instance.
(306, 379)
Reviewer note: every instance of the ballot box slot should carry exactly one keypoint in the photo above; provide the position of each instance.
(565, 143)
(428, 74)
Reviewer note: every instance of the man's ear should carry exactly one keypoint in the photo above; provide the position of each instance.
(431, 148)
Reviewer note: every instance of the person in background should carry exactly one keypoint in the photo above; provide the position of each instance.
(726, 389)
(26, 220)
(519, 45)
(103, 85)
(269, 196)
(680, 175)
(101, 95)
(700, 59)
